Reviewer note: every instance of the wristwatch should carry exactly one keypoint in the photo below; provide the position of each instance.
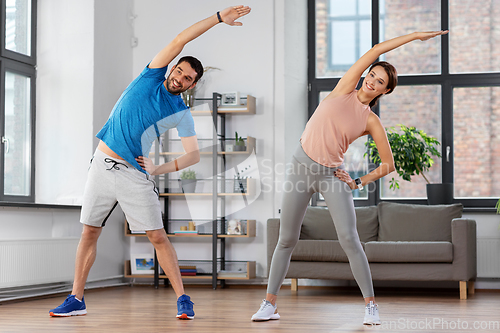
(358, 183)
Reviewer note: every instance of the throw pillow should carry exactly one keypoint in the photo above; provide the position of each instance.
(404, 222)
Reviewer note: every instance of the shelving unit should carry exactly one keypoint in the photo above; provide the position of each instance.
(218, 221)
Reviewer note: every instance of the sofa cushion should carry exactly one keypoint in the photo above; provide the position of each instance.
(319, 250)
(367, 223)
(318, 224)
(409, 252)
(403, 222)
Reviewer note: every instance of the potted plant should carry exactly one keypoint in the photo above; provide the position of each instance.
(188, 181)
(413, 150)
(239, 145)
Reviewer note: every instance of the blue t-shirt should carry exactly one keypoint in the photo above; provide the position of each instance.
(144, 111)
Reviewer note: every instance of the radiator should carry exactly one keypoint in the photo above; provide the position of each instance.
(488, 257)
(30, 262)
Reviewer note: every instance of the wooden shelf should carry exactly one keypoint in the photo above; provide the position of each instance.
(251, 232)
(197, 277)
(201, 113)
(251, 147)
(251, 190)
(184, 194)
(201, 194)
(188, 235)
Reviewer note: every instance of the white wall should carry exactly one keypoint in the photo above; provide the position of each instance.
(112, 57)
(65, 67)
(290, 84)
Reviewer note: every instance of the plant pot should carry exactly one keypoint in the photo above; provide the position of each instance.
(188, 185)
(239, 148)
(440, 194)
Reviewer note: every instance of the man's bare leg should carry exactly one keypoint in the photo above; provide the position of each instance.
(85, 257)
(168, 258)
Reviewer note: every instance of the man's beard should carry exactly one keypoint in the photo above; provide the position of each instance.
(173, 90)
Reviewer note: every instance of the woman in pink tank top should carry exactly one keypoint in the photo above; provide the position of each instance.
(342, 117)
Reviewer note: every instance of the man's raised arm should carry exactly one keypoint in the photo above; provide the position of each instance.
(228, 16)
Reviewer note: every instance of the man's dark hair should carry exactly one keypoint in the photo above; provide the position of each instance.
(195, 64)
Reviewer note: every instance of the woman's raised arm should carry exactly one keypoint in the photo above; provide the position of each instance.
(350, 79)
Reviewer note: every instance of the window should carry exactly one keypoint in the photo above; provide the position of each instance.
(476, 142)
(344, 30)
(449, 87)
(17, 98)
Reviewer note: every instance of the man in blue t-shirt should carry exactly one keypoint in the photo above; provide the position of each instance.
(121, 173)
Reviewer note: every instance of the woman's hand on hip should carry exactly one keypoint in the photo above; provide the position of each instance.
(344, 176)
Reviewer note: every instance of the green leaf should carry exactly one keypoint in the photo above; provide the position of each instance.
(412, 149)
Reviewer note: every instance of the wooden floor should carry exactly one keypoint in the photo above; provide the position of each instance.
(145, 309)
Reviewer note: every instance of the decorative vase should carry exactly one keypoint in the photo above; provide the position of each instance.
(188, 97)
(440, 194)
(239, 148)
(188, 185)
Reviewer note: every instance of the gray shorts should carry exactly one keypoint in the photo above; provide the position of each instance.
(111, 181)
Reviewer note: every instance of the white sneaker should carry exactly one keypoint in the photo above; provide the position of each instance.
(371, 314)
(267, 311)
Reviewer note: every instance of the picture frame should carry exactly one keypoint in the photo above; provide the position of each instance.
(142, 264)
(230, 99)
(234, 227)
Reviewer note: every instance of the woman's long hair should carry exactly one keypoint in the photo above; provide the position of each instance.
(393, 78)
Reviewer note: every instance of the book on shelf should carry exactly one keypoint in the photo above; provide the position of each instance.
(187, 270)
(186, 267)
(186, 232)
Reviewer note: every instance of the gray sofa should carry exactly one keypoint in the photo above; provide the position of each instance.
(401, 241)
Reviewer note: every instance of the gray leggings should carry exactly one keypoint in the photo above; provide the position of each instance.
(304, 178)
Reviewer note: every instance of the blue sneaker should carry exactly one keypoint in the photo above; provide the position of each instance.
(70, 307)
(185, 307)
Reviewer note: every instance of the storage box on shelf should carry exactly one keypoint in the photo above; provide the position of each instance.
(221, 269)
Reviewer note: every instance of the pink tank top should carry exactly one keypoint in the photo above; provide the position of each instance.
(335, 124)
